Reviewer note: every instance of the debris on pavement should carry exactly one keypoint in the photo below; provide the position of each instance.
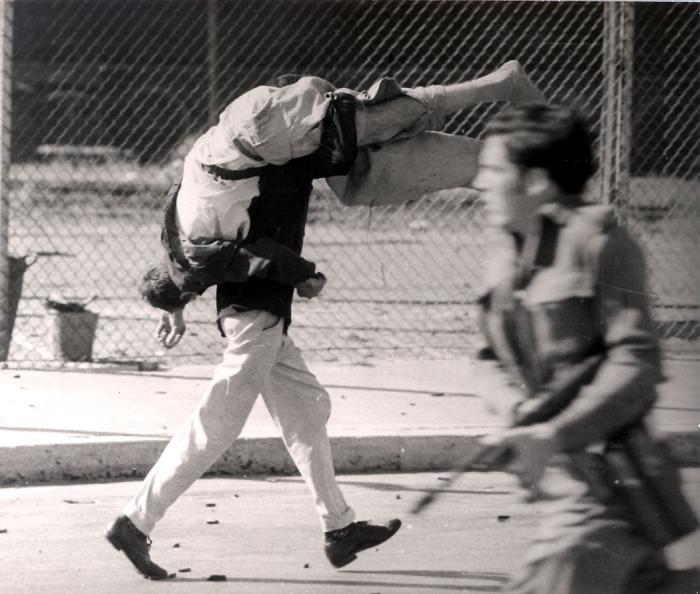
(147, 365)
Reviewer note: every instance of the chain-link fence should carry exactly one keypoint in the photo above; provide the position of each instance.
(103, 97)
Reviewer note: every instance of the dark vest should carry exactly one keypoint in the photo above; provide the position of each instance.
(278, 212)
(280, 208)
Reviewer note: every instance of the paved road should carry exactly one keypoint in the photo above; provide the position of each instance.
(267, 539)
(407, 416)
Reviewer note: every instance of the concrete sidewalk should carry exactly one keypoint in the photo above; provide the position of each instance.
(58, 426)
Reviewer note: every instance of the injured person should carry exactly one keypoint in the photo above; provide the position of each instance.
(373, 148)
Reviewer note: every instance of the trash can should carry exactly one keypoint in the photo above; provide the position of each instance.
(72, 330)
(73, 335)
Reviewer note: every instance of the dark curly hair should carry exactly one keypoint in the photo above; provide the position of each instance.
(552, 137)
(158, 289)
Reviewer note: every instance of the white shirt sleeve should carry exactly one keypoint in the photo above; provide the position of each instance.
(209, 209)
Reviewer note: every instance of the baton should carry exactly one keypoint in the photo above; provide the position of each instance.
(486, 458)
(555, 396)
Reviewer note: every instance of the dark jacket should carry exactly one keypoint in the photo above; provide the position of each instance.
(279, 211)
(573, 288)
(261, 271)
(227, 261)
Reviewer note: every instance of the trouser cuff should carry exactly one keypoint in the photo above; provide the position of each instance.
(337, 522)
(138, 519)
(433, 97)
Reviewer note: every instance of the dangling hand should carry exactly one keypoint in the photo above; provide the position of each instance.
(171, 328)
(311, 287)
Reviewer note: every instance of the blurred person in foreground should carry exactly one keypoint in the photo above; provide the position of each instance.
(237, 221)
(572, 290)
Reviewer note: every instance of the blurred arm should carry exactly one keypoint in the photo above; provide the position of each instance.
(622, 390)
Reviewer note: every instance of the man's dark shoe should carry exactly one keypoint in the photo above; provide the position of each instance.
(343, 545)
(126, 537)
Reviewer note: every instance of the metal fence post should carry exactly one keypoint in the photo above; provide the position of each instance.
(212, 57)
(6, 315)
(616, 121)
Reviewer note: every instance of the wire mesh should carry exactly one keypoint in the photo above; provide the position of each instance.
(108, 95)
(663, 208)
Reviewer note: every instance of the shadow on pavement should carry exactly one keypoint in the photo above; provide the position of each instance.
(486, 576)
(87, 432)
(392, 487)
(375, 584)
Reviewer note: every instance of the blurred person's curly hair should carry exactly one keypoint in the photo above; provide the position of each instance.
(552, 137)
(157, 288)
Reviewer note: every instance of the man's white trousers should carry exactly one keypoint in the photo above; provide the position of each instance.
(259, 359)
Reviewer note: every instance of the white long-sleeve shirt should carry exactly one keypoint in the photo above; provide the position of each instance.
(266, 125)
(272, 125)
